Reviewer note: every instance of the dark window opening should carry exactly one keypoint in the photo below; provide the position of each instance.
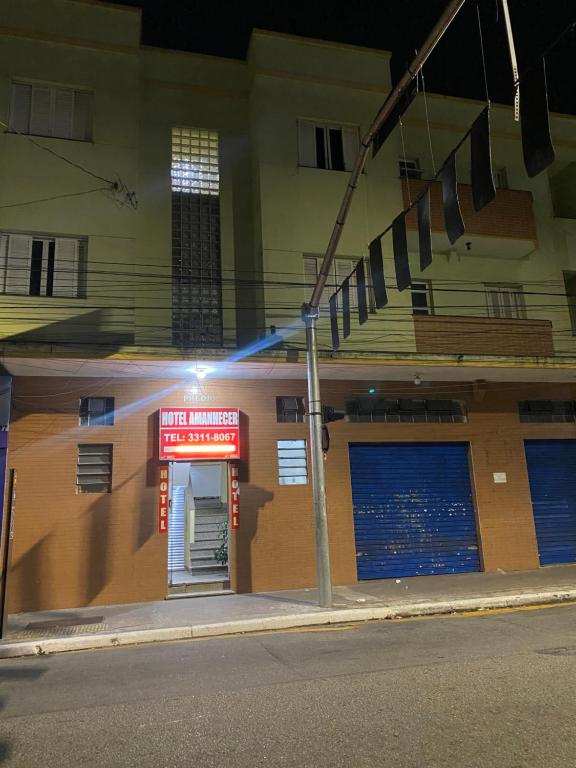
(96, 411)
(50, 269)
(409, 168)
(36, 268)
(290, 409)
(336, 149)
(409, 411)
(547, 411)
(421, 298)
(320, 148)
(570, 287)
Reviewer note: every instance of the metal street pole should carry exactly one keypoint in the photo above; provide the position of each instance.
(318, 480)
(310, 311)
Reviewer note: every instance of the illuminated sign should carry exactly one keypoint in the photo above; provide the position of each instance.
(163, 500)
(234, 498)
(199, 433)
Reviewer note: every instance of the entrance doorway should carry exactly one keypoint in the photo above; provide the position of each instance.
(198, 523)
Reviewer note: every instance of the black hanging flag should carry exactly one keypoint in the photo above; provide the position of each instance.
(401, 107)
(483, 190)
(424, 230)
(346, 308)
(400, 245)
(334, 321)
(377, 272)
(452, 214)
(536, 142)
(361, 290)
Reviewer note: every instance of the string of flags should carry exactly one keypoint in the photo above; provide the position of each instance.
(538, 153)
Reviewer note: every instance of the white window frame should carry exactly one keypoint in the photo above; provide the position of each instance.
(68, 261)
(341, 268)
(426, 289)
(292, 462)
(500, 176)
(94, 463)
(409, 168)
(505, 302)
(57, 117)
(307, 152)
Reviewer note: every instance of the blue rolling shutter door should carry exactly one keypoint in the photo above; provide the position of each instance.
(552, 475)
(413, 510)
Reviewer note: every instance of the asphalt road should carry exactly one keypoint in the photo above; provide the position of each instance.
(494, 690)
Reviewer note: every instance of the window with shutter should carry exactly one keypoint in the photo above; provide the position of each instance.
(63, 112)
(94, 468)
(41, 111)
(17, 275)
(65, 281)
(340, 270)
(33, 265)
(82, 120)
(20, 107)
(505, 302)
(49, 110)
(351, 143)
(329, 146)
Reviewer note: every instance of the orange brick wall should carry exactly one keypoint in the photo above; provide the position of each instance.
(72, 550)
(509, 215)
(482, 336)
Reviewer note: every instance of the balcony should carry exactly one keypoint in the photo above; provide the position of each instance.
(563, 190)
(457, 335)
(505, 228)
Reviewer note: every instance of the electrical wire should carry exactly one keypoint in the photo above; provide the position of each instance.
(54, 197)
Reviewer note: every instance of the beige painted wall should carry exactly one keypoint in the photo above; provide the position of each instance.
(272, 211)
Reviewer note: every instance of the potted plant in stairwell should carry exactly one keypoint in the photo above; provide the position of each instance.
(221, 554)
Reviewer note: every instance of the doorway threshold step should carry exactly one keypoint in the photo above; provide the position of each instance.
(207, 593)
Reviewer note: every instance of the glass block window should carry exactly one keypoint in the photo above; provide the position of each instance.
(195, 161)
(292, 462)
(94, 468)
(197, 315)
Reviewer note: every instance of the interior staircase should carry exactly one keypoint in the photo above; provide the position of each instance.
(206, 574)
(210, 515)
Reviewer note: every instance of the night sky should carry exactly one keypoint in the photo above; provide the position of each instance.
(222, 28)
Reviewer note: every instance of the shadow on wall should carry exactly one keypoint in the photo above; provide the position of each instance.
(101, 518)
(253, 500)
(97, 327)
(30, 575)
(146, 512)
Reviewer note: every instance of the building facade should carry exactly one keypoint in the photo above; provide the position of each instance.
(162, 217)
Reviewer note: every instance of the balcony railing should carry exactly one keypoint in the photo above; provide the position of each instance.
(453, 334)
(509, 217)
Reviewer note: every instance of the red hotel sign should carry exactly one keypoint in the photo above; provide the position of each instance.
(234, 497)
(163, 500)
(199, 433)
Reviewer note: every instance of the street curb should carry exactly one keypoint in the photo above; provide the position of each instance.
(270, 623)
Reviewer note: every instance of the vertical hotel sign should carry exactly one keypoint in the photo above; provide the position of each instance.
(163, 501)
(234, 497)
(187, 434)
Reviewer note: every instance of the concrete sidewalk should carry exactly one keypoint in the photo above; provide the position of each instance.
(45, 632)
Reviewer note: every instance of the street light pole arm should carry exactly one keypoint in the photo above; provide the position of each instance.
(384, 113)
